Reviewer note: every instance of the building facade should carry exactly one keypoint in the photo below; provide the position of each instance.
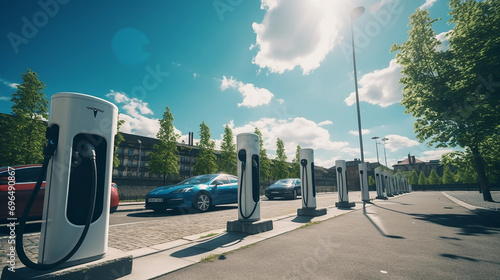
(412, 163)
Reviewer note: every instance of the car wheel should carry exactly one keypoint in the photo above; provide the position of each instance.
(294, 194)
(270, 197)
(202, 202)
(113, 209)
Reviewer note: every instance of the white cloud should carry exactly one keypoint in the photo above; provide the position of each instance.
(427, 4)
(443, 37)
(135, 121)
(9, 84)
(252, 95)
(133, 106)
(293, 132)
(325, 123)
(380, 87)
(364, 131)
(5, 98)
(435, 154)
(196, 75)
(398, 142)
(296, 33)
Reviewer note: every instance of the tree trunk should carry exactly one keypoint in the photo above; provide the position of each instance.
(481, 174)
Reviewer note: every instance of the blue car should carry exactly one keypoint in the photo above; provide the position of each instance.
(199, 192)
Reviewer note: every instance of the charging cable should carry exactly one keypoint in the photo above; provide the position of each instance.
(242, 156)
(341, 183)
(87, 151)
(305, 189)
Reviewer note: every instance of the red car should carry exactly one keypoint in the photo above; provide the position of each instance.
(25, 177)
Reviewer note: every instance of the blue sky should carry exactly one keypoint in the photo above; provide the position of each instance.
(284, 66)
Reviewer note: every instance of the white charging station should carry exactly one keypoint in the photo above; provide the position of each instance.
(387, 184)
(308, 185)
(340, 168)
(378, 183)
(308, 189)
(363, 181)
(82, 120)
(248, 148)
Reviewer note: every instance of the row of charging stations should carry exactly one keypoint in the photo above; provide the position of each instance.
(388, 185)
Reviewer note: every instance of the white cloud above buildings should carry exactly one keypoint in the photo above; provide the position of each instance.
(379, 87)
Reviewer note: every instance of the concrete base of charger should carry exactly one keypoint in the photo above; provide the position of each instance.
(345, 204)
(113, 266)
(249, 227)
(306, 211)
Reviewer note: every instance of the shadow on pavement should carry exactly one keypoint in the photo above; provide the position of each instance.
(222, 241)
(467, 224)
(302, 219)
(377, 223)
(455, 257)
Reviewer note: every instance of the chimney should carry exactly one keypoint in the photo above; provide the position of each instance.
(190, 139)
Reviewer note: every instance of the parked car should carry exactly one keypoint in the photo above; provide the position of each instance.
(199, 192)
(287, 188)
(25, 178)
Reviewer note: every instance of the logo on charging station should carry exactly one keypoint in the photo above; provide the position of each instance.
(95, 111)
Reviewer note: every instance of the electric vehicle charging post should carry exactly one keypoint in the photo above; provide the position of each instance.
(387, 184)
(308, 187)
(76, 203)
(378, 183)
(340, 168)
(363, 181)
(248, 187)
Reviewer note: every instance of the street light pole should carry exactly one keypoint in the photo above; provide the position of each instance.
(385, 155)
(139, 164)
(376, 146)
(356, 12)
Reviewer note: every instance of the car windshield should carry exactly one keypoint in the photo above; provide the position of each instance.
(197, 180)
(284, 182)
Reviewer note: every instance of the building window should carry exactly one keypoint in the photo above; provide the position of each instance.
(129, 152)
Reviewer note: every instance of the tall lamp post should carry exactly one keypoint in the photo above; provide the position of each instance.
(356, 12)
(376, 146)
(385, 155)
(139, 164)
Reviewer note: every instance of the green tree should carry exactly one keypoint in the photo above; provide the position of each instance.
(450, 92)
(296, 164)
(448, 176)
(434, 178)
(265, 162)
(205, 162)
(165, 157)
(280, 169)
(422, 180)
(413, 179)
(227, 162)
(23, 135)
(118, 139)
(462, 160)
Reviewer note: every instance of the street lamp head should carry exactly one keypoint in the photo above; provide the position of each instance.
(375, 137)
(139, 141)
(356, 12)
(385, 139)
